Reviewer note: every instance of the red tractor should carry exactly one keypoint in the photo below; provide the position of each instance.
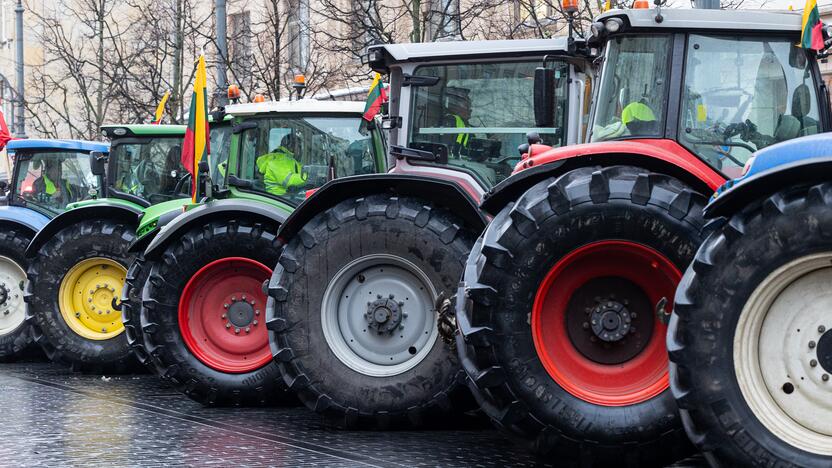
(563, 309)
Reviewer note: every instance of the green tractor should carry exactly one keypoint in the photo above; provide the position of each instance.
(78, 261)
(193, 303)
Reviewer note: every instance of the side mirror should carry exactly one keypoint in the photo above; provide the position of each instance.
(98, 161)
(544, 97)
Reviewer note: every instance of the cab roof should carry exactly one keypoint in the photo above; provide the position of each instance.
(728, 21)
(68, 145)
(462, 50)
(303, 106)
(112, 131)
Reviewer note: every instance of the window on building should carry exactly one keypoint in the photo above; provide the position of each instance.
(444, 19)
(240, 53)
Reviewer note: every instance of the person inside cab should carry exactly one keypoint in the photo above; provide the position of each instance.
(281, 172)
(52, 186)
(457, 115)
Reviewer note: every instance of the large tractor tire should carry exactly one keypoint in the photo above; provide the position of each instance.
(750, 341)
(353, 317)
(131, 306)
(72, 296)
(202, 317)
(560, 334)
(15, 333)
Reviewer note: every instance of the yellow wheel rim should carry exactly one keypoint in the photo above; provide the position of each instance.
(86, 298)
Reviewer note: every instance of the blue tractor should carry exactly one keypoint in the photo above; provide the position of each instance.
(47, 175)
(750, 337)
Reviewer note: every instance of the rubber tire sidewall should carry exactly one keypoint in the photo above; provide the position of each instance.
(77, 242)
(169, 356)
(729, 266)
(409, 228)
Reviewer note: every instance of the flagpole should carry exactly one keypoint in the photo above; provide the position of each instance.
(222, 47)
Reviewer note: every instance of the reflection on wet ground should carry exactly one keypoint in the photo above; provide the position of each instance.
(51, 417)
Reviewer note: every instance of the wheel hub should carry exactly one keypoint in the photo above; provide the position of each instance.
(240, 312)
(384, 315)
(610, 321)
(4, 294)
(88, 298)
(825, 351)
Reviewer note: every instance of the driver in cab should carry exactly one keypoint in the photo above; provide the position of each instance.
(281, 171)
(457, 114)
(52, 186)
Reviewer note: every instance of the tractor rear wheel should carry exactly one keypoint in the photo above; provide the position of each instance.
(353, 317)
(558, 314)
(15, 333)
(750, 341)
(72, 296)
(202, 316)
(131, 306)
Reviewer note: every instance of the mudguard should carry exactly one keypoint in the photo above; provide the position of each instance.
(738, 193)
(438, 191)
(214, 209)
(665, 156)
(18, 215)
(103, 209)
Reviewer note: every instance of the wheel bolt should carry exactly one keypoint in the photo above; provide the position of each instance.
(391, 297)
(585, 325)
(255, 323)
(92, 291)
(812, 345)
(233, 298)
(404, 315)
(821, 329)
(224, 315)
(77, 314)
(227, 325)
(103, 330)
(401, 304)
(825, 377)
(248, 329)
(252, 302)
(256, 312)
(633, 315)
(89, 300)
(378, 296)
(813, 363)
(225, 306)
(361, 278)
(236, 330)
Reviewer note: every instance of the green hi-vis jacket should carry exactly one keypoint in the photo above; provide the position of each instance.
(280, 171)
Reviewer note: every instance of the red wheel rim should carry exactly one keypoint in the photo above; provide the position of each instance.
(641, 376)
(221, 313)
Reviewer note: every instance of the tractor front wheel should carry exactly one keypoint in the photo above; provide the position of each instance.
(750, 338)
(201, 322)
(562, 314)
(15, 333)
(72, 296)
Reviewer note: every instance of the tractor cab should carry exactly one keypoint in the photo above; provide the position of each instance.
(48, 175)
(467, 106)
(282, 149)
(719, 84)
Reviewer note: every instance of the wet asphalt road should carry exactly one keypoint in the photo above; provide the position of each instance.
(51, 417)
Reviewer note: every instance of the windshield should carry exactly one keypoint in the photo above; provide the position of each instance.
(482, 112)
(150, 168)
(741, 95)
(220, 147)
(633, 93)
(54, 179)
(285, 156)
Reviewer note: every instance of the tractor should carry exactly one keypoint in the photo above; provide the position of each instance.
(749, 338)
(563, 307)
(47, 176)
(78, 261)
(193, 303)
(359, 312)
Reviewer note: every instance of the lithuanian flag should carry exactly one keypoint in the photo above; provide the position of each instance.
(160, 109)
(375, 98)
(811, 36)
(197, 144)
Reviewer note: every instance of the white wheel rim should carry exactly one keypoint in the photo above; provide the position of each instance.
(12, 309)
(347, 300)
(773, 360)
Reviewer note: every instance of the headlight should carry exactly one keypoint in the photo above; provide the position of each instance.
(614, 25)
(748, 165)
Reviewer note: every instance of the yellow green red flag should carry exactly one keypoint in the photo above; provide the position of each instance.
(376, 96)
(196, 145)
(160, 109)
(811, 36)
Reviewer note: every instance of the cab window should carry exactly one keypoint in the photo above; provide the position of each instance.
(54, 179)
(150, 168)
(633, 93)
(220, 147)
(482, 112)
(285, 156)
(741, 95)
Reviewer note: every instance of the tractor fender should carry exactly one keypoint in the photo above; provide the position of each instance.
(665, 156)
(19, 216)
(174, 228)
(767, 182)
(101, 210)
(441, 192)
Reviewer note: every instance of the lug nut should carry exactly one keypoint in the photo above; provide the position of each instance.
(361, 278)
(813, 363)
(378, 296)
(77, 314)
(89, 300)
(255, 323)
(244, 297)
(103, 330)
(633, 315)
(225, 306)
(227, 325)
(252, 302)
(224, 316)
(821, 329)
(248, 329)
(585, 325)
(812, 345)
(825, 377)
(236, 330)
(256, 312)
